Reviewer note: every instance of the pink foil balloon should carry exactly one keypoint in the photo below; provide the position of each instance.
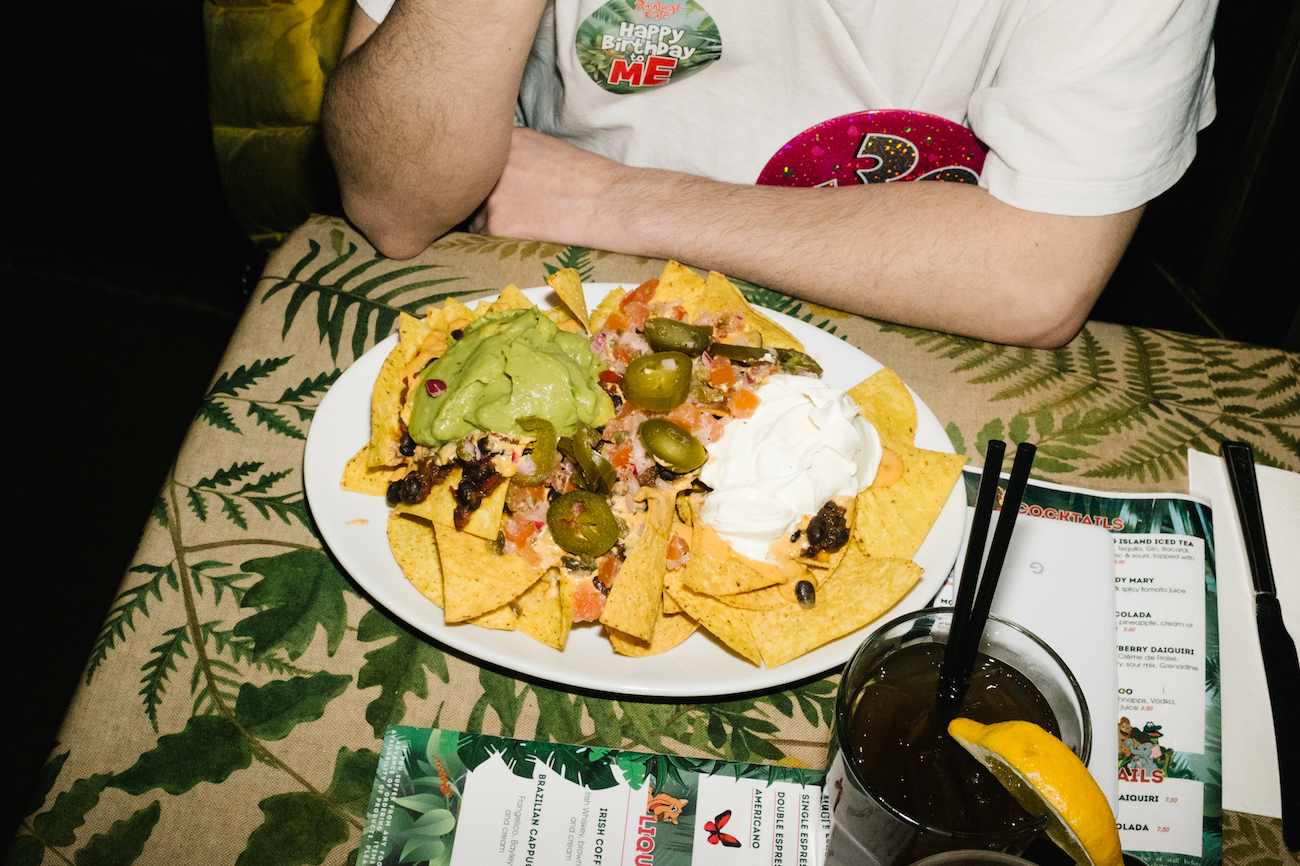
(876, 147)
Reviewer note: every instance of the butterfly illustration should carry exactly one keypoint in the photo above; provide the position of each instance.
(716, 835)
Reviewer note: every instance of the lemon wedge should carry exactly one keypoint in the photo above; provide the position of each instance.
(1044, 776)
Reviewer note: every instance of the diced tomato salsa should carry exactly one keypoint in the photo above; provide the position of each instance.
(721, 390)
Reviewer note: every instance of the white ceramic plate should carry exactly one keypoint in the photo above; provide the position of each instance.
(354, 526)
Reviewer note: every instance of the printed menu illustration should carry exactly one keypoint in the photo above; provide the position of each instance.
(447, 798)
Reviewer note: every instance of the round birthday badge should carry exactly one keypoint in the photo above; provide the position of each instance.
(631, 46)
(880, 146)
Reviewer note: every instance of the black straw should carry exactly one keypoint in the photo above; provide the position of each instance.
(970, 571)
(997, 555)
(969, 617)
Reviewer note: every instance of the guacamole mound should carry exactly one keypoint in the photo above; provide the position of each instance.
(510, 365)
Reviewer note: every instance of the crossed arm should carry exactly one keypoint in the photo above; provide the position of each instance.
(421, 131)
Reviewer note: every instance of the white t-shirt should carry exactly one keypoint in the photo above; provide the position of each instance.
(1087, 107)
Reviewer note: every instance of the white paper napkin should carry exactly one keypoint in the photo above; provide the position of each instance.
(1250, 781)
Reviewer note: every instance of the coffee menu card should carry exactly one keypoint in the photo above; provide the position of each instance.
(444, 797)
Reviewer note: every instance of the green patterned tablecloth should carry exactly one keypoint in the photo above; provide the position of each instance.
(234, 703)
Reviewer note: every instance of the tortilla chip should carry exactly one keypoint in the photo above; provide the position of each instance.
(534, 614)
(859, 592)
(608, 304)
(475, 579)
(435, 507)
(767, 598)
(670, 631)
(511, 298)
(416, 551)
(679, 283)
(636, 599)
(725, 623)
(449, 316)
(545, 611)
(568, 285)
(711, 574)
(684, 530)
(893, 521)
(440, 507)
(386, 400)
(719, 289)
(501, 619)
(888, 405)
(782, 594)
(565, 322)
(360, 477)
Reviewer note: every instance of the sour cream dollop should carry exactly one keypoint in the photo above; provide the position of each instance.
(805, 444)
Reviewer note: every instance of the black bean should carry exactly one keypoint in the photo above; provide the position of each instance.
(477, 481)
(837, 536)
(815, 531)
(415, 488)
(806, 593)
(828, 530)
(394, 494)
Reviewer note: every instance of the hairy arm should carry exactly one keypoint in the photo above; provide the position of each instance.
(418, 115)
(943, 256)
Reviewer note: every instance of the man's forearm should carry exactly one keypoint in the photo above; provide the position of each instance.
(937, 255)
(418, 122)
(941, 256)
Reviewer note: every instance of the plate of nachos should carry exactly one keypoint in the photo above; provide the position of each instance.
(654, 490)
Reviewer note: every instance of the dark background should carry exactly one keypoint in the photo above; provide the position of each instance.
(112, 191)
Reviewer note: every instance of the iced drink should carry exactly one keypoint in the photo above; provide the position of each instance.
(900, 788)
(899, 743)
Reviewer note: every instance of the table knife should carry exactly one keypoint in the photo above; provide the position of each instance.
(1281, 668)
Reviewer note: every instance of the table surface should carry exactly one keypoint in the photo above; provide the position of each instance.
(235, 700)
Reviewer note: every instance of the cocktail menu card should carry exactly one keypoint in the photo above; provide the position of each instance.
(1154, 692)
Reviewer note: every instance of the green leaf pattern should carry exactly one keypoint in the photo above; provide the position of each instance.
(1122, 406)
(239, 628)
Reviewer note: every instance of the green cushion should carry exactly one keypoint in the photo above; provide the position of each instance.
(267, 66)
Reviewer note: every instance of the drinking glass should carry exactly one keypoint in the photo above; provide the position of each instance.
(866, 830)
(966, 856)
